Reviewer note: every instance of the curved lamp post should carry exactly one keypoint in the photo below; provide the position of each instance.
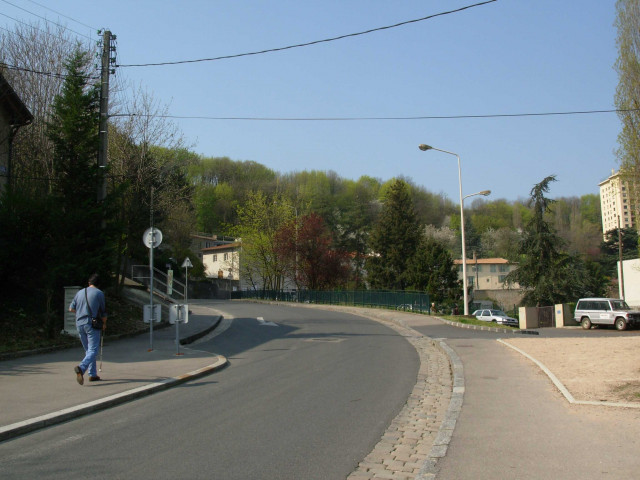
(424, 148)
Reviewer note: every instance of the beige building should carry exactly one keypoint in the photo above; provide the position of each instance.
(616, 202)
(486, 273)
(487, 277)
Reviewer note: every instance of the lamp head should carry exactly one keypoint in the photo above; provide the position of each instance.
(424, 147)
(485, 192)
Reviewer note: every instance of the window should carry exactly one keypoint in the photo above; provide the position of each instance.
(504, 268)
(493, 269)
(470, 281)
(215, 258)
(226, 257)
(501, 278)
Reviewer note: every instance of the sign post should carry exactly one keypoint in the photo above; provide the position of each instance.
(186, 264)
(152, 237)
(178, 314)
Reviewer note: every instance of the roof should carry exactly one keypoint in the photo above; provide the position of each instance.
(218, 248)
(10, 102)
(483, 261)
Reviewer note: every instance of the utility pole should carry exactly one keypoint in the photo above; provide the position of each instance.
(621, 272)
(108, 59)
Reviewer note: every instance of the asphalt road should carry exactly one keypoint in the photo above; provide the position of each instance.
(307, 397)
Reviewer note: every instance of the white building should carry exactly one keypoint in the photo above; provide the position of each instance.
(222, 261)
(629, 287)
(616, 203)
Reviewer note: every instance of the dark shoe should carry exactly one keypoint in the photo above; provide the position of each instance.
(94, 379)
(79, 376)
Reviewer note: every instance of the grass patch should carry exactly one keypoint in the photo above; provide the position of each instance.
(471, 320)
(629, 391)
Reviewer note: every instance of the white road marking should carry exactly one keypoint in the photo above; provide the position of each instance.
(264, 323)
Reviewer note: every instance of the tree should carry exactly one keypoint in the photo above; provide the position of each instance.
(260, 218)
(357, 210)
(547, 274)
(627, 98)
(432, 270)
(394, 239)
(72, 239)
(147, 154)
(307, 247)
(610, 249)
(35, 49)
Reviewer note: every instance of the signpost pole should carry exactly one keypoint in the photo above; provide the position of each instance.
(151, 238)
(151, 290)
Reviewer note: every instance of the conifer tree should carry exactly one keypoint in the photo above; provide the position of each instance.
(546, 273)
(394, 240)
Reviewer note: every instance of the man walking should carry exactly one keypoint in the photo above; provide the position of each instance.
(87, 304)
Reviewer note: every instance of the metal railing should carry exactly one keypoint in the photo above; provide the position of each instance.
(141, 274)
(400, 300)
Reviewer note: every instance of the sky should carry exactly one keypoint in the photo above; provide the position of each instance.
(503, 58)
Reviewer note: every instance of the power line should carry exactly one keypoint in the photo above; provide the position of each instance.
(315, 42)
(48, 74)
(45, 19)
(342, 119)
(62, 14)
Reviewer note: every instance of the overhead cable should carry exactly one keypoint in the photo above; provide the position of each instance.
(45, 19)
(315, 42)
(342, 119)
(63, 15)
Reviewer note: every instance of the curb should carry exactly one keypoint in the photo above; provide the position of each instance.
(26, 426)
(198, 335)
(443, 439)
(487, 329)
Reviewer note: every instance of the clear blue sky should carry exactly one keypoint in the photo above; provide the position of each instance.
(507, 57)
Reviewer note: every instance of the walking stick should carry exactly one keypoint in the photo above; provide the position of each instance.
(101, 343)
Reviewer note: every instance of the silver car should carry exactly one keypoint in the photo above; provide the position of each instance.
(498, 316)
(605, 311)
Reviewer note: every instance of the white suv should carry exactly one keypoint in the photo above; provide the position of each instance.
(605, 311)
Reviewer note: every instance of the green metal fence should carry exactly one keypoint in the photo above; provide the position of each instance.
(400, 300)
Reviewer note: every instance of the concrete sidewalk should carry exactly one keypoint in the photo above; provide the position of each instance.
(41, 390)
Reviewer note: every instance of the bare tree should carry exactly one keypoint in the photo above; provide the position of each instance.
(33, 59)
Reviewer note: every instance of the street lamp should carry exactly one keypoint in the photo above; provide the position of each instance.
(424, 148)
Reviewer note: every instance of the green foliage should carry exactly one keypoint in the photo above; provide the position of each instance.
(260, 218)
(546, 273)
(610, 249)
(627, 98)
(432, 270)
(394, 239)
(66, 221)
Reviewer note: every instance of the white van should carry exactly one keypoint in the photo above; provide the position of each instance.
(605, 311)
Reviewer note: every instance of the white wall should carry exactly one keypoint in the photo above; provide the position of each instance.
(631, 273)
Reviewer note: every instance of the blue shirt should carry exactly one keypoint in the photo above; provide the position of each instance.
(96, 301)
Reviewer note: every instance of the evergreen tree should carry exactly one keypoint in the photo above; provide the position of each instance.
(545, 272)
(394, 240)
(610, 250)
(432, 270)
(79, 241)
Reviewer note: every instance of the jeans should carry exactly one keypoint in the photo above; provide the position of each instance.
(90, 339)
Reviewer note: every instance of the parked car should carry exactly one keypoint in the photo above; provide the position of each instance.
(605, 311)
(497, 316)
